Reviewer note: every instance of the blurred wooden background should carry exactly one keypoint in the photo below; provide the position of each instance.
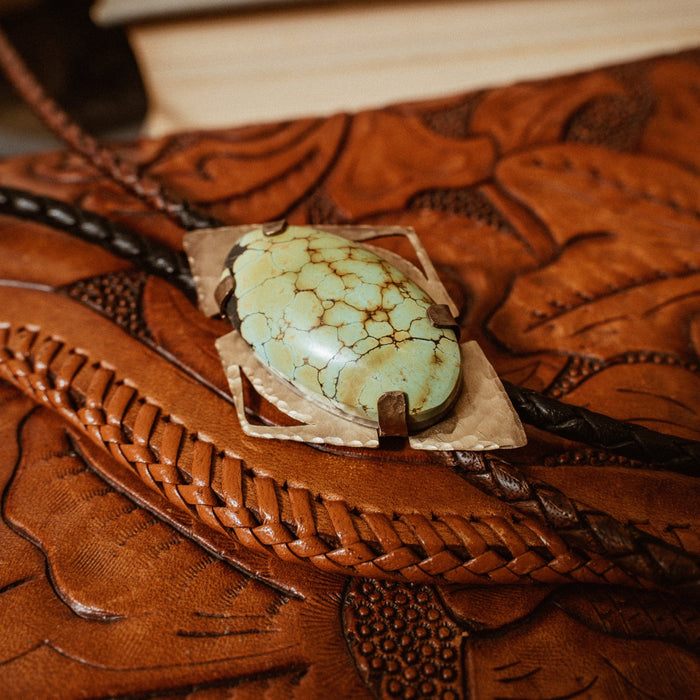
(214, 63)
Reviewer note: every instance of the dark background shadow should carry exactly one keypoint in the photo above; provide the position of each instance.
(88, 70)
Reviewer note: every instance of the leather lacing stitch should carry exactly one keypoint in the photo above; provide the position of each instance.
(219, 490)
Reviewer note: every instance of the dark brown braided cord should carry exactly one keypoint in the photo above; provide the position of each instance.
(598, 430)
(60, 124)
(634, 551)
(143, 252)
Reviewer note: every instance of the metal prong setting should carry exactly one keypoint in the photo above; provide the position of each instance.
(223, 292)
(272, 228)
(439, 315)
(391, 411)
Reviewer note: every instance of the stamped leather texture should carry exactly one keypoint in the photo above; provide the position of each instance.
(148, 548)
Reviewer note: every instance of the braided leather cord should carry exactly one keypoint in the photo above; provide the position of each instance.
(627, 439)
(142, 252)
(638, 553)
(60, 124)
(220, 490)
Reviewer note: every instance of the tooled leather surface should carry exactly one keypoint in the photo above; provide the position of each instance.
(563, 217)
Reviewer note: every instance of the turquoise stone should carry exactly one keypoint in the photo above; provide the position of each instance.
(341, 324)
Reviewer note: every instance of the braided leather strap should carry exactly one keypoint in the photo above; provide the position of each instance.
(60, 124)
(597, 430)
(142, 252)
(634, 551)
(220, 490)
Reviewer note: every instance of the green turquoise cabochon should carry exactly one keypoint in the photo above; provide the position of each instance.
(340, 324)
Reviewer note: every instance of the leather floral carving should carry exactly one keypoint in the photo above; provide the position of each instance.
(147, 547)
(112, 597)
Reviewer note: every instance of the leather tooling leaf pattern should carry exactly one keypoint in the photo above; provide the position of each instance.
(617, 241)
(148, 548)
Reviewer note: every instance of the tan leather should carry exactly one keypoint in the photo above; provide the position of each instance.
(149, 547)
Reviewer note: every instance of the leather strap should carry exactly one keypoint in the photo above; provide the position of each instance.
(143, 252)
(638, 443)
